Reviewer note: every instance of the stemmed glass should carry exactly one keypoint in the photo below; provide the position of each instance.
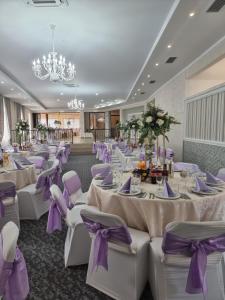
(159, 179)
(184, 175)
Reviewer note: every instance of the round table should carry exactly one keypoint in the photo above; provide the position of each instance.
(152, 215)
(21, 178)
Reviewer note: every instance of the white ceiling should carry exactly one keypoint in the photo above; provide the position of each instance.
(114, 45)
(107, 40)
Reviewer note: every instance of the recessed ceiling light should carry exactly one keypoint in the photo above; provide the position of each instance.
(96, 94)
(142, 83)
(169, 46)
(12, 89)
(148, 75)
(61, 93)
(191, 14)
(102, 100)
(2, 82)
(135, 94)
(138, 90)
(156, 64)
(58, 100)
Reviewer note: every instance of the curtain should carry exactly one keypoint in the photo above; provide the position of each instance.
(9, 114)
(6, 133)
(1, 118)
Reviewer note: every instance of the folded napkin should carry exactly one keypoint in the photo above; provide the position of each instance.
(200, 186)
(25, 161)
(128, 151)
(108, 179)
(126, 186)
(142, 156)
(210, 178)
(167, 191)
(18, 166)
(104, 172)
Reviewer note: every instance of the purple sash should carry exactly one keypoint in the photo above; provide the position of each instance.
(8, 192)
(94, 150)
(71, 186)
(44, 182)
(198, 251)
(104, 234)
(56, 178)
(14, 284)
(54, 218)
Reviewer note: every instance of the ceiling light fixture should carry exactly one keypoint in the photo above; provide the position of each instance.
(96, 94)
(156, 64)
(76, 104)
(55, 68)
(191, 14)
(148, 75)
(169, 46)
(12, 89)
(142, 83)
(2, 82)
(61, 93)
(109, 103)
(138, 90)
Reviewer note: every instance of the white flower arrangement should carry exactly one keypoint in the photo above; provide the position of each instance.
(160, 122)
(149, 119)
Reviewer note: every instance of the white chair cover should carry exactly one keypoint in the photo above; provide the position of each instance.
(127, 264)
(10, 205)
(168, 273)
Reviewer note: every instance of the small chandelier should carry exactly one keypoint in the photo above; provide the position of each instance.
(53, 67)
(76, 104)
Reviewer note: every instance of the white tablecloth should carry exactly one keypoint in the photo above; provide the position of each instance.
(21, 178)
(153, 215)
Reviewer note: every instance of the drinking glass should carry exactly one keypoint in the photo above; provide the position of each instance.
(159, 180)
(184, 175)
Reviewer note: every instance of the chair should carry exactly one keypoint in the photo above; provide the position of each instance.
(72, 189)
(169, 265)
(9, 210)
(78, 243)
(179, 166)
(99, 168)
(33, 199)
(44, 154)
(60, 157)
(13, 273)
(221, 174)
(121, 252)
(39, 162)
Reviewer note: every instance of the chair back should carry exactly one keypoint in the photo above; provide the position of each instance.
(99, 168)
(221, 174)
(13, 273)
(194, 244)
(60, 155)
(10, 234)
(179, 166)
(58, 198)
(105, 228)
(44, 154)
(7, 190)
(44, 182)
(38, 161)
(72, 187)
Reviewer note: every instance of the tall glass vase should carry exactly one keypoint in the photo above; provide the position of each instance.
(149, 150)
(164, 149)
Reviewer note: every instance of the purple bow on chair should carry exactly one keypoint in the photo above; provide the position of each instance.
(198, 251)
(44, 182)
(104, 234)
(56, 178)
(9, 192)
(14, 284)
(54, 218)
(71, 186)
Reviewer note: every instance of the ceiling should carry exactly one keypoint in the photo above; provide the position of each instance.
(114, 45)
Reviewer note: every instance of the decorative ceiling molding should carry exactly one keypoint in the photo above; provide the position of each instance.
(19, 85)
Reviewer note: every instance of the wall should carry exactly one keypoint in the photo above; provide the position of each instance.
(172, 96)
(126, 111)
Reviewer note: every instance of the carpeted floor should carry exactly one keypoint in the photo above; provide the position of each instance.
(49, 280)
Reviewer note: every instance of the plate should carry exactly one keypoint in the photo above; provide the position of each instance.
(106, 185)
(159, 195)
(213, 192)
(221, 183)
(129, 194)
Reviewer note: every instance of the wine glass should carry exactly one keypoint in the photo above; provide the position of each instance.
(159, 179)
(184, 174)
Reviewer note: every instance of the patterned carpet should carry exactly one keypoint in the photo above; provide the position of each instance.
(49, 280)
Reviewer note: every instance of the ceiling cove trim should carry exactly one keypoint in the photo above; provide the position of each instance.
(20, 85)
(168, 18)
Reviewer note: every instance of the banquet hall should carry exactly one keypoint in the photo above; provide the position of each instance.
(112, 149)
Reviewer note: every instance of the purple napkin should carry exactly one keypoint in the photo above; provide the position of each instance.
(142, 156)
(201, 186)
(167, 191)
(128, 151)
(18, 166)
(210, 178)
(108, 179)
(126, 187)
(25, 161)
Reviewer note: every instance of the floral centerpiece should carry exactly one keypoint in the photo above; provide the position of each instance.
(154, 122)
(22, 129)
(42, 130)
(134, 124)
(57, 123)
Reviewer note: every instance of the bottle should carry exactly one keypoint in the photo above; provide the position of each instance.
(153, 175)
(165, 172)
(171, 167)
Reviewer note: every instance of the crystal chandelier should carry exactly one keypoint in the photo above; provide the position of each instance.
(53, 67)
(76, 104)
